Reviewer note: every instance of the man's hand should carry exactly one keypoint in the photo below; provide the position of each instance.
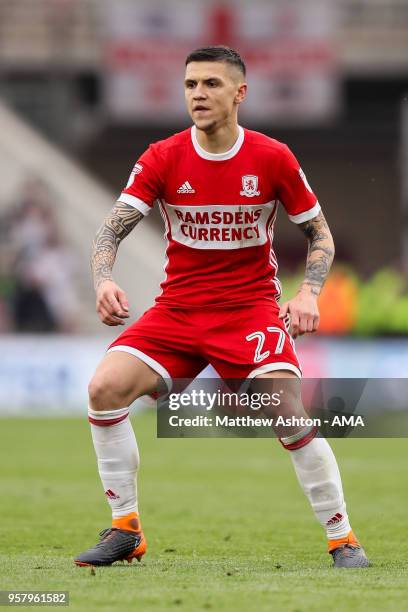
(303, 311)
(111, 303)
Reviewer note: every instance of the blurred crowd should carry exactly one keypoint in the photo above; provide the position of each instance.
(37, 267)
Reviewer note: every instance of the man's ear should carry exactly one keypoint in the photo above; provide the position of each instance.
(241, 93)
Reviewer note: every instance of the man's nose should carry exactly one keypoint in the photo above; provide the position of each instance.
(199, 93)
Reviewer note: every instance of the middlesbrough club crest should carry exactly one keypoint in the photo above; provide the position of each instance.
(249, 186)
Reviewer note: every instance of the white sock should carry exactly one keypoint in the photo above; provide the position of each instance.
(318, 474)
(118, 458)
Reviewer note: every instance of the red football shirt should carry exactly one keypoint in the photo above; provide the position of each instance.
(219, 210)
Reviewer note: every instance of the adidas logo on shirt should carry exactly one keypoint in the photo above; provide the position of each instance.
(185, 188)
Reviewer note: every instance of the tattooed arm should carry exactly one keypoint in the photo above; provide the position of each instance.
(303, 307)
(320, 253)
(111, 301)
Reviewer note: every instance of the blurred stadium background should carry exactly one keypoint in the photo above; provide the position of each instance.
(86, 85)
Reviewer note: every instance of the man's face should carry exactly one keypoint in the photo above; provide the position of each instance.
(213, 91)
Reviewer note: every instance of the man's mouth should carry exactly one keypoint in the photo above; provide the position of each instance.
(200, 108)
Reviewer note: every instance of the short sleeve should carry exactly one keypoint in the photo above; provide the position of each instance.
(294, 191)
(145, 182)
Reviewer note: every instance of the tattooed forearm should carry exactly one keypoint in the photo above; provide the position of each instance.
(320, 254)
(117, 225)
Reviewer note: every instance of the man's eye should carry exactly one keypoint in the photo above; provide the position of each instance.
(190, 85)
(212, 83)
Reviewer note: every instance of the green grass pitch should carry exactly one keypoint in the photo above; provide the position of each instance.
(227, 525)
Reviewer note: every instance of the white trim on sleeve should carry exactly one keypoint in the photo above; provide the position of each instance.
(126, 198)
(155, 365)
(307, 215)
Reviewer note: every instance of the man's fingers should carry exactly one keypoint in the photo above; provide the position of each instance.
(108, 302)
(295, 323)
(111, 304)
(114, 304)
(123, 300)
(105, 309)
(284, 309)
(113, 307)
(305, 324)
(108, 318)
(304, 315)
(302, 325)
(310, 322)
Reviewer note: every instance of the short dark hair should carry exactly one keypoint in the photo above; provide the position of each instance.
(218, 53)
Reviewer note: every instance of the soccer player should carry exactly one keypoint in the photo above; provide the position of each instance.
(218, 187)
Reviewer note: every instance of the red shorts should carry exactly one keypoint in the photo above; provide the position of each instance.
(239, 342)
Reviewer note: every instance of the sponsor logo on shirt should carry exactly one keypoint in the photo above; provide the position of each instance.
(220, 226)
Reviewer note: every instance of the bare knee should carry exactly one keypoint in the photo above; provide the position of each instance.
(120, 379)
(106, 393)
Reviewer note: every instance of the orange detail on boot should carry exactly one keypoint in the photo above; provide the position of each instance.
(139, 550)
(130, 522)
(349, 539)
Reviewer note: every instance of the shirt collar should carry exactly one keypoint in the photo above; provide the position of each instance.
(217, 156)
